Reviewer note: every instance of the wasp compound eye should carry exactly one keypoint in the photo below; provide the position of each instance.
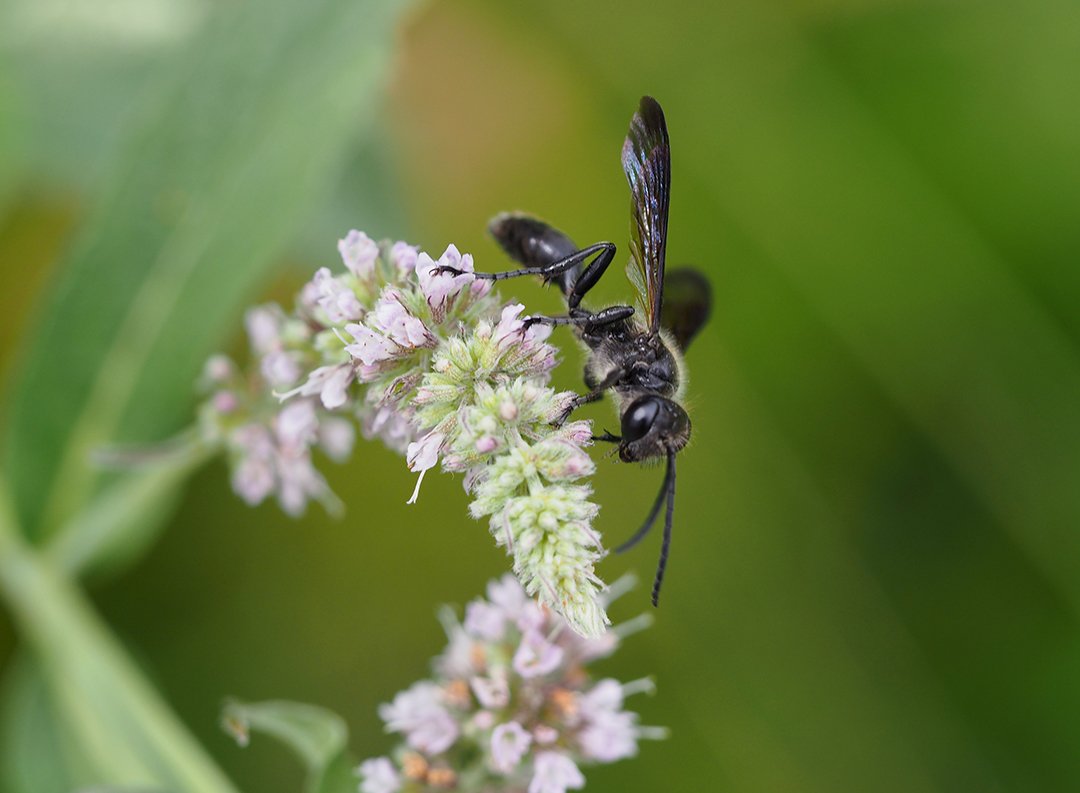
(639, 418)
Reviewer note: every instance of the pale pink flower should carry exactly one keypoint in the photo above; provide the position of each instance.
(419, 714)
(545, 734)
(510, 329)
(336, 437)
(279, 368)
(485, 621)
(379, 776)
(554, 772)
(604, 697)
(298, 481)
(224, 402)
(536, 656)
(392, 424)
(422, 455)
(507, 594)
(330, 383)
(439, 288)
(334, 387)
(263, 326)
(359, 252)
(218, 369)
(491, 692)
(509, 742)
(403, 328)
(609, 736)
(403, 256)
(457, 660)
(253, 477)
(530, 719)
(296, 425)
(609, 732)
(369, 346)
(253, 480)
(335, 298)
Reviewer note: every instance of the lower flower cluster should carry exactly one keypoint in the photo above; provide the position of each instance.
(511, 706)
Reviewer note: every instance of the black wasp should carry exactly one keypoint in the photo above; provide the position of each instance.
(638, 358)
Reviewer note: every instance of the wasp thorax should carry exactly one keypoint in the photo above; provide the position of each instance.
(653, 426)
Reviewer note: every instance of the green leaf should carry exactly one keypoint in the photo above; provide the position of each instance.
(230, 151)
(317, 736)
(118, 727)
(34, 756)
(12, 139)
(76, 69)
(123, 519)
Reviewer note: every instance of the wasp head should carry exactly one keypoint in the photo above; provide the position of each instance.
(653, 426)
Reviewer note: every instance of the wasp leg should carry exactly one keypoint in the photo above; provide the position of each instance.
(614, 376)
(607, 437)
(601, 250)
(587, 320)
(576, 402)
(590, 275)
(534, 243)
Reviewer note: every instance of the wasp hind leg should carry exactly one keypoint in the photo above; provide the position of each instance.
(602, 254)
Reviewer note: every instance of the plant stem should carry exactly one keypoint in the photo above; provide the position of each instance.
(129, 734)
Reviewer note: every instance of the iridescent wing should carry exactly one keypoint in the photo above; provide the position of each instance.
(687, 304)
(646, 159)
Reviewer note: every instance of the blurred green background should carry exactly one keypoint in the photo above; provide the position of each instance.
(875, 576)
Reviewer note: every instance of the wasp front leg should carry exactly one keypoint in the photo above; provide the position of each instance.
(596, 394)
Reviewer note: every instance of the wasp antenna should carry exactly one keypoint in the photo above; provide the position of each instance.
(665, 545)
(639, 535)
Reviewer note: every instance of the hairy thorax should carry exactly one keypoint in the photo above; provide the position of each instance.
(643, 363)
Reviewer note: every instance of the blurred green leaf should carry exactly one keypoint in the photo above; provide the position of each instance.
(75, 70)
(33, 754)
(12, 139)
(117, 723)
(367, 191)
(122, 520)
(228, 153)
(317, 736)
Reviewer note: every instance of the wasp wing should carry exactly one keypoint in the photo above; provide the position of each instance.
(687, 304)
(646, 159)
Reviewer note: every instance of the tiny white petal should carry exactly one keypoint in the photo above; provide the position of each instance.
(491, 692)
(509, 742)
(554, 772)
(536, 656)
(379, 776)
(418, 713)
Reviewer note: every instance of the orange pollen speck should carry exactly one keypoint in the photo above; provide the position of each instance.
(575, 676)
(565, 702)
(414, 766)
(477, 656)
(441, 777)
(457, 693)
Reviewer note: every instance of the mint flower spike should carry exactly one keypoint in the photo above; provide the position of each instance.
(510, 706)
(423, 356)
